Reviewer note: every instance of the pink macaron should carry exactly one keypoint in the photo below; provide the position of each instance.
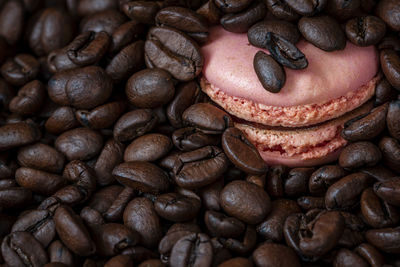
(300, 125)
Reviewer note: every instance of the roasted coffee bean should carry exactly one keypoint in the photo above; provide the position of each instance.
(393, 119)
(346, 257)
(6, 94)
(271, 254)
(193, 249)
(101, 117)
(389, 191)
(388, 11)
(50, 29)
(173, 51)
(88, 48)
(124, 35)
(39, 223)
(83, 88)
(169, 240)
(119, 261)
(29, 99)
(150, 88)
(207, 118)
(39, 181)
(259, 180)
(343, 9)
(296, 184)
(236, 262)
(324, 177)
(270, 73)
(275, 178)
(257, 34)
(102, 200)
(14, 197)
(107, 21)
(359, 154)
(12, 21)
(345, 193)
(141, 175)
(281, 10)
(141, 217)
(384, 92)
(353, 232)
(58, 60)
(241, 152)
(142, 11)
(242, 21)
(377, 213)
(187, 139)
(370, 254)
(199, 167)
(390, 64)
(20, 70)
(232, 6)
(128, 61)
(73, 232)
(307, 7)
(183, 19)
(61, 120)
(390, 41)
(79, 143)
(18, 134)
(210, 11)
(210, 195)
(323, 31)
(245, 201)
(365, 30)
(308, 203)
(386, 239)
(92, 218)
(390, 149)
(366, 127)
(152, 263)
(133, 124)
(7, 183)
(115, 211)
(58, 252)
(244, 245)
(110, 156)
(221, 225)
(272, 227)
(177, 208)
(379, 172)
(150, 147)
(22, 249)
(88, 7)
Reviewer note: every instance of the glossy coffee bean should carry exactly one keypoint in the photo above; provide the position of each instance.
(270, 73)
(6, 94)
(271, 254)
(385, 239)
(389, 191)
(365, 31)
(210, 195)
(188, 250)
(87, 7)
(370, 254)
(125, 34)
(275, 178)
(115, 211)
(353, 231)
(390, 64)
(14, 197)
(390, 149)
(388, 11)
(142, 11)
(210, 11)
(58, 252)
(307, 7)
(384, 92)
(61, 120)
(103, 116)
(245, 201)
(257, 34)
(390, 41)
(346, 257)
(379, 172)
(163, 49)
(187, 139)
(296, 184)
(221, 225)
(236, 262)
(343, 9)
(20, 70)
(18, 134)
(324, 177)
(110, 156)
(281, 10)
(240, 22)
(393, 119)
(307, 203)
(176, 207)
(323, 31)
(29, 99)
(149, 147)
(12, 21)
(141, 175)
(39, 181)
(232, 6)
(107, 21)
(360, 154)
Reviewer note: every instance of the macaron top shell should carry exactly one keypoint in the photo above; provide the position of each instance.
(329, 75)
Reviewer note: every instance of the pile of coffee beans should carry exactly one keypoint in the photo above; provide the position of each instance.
(111, 155)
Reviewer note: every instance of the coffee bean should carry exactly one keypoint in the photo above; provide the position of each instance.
(359, 154)
(384, 92)
(389, 191)
(187, 139)
(281, 10)
(151, 263)
(107, 21)
(39, 181)
(370, 254)
(257, 34)
(150, 147)
(173, 51)
(142, 11)
(20, 70)
(237, 262)
(385, 239)
(58, 252)
(232, 6)
(388, 11)
(307, 7)
(296, 184)
(103, 199)
(12, 21)
(110, 156)
(193, 249)
(115, 211)
(269, 72)
(223, 226)
(393, 119)
(6, 94)
(14, 197)
(323, 31)
(367, 126)
(379, 172)
(275, 178)
(210, 11)
(346, 257)
(390, 149)
(271, 254)
(141, 175)
(390, 41)
(324, 177)
(210, 195)
(245, 201)
(175, 207)
(61, 120)
(126, 34)
(390, 64)
(308, 203)
(58, 60)
(29, 100)
(18, 134)
(365, 31)
(88, 7)
(103, 116)
(242, 21)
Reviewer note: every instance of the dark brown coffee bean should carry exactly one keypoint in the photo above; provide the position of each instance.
(150, 147)
(169, 240)
(307, 7)
(245, 201)
(210, 11)
(6, 94)
(379, 172)
(386, 239)
(150, 88)
(346, 257)
(308, 203)
(390, 149)
(14, 197)
(242, 21)
(236, 262)
(365, 30)
(124, 35)
(79, 143)
(384, 92)
(187, 139)
(39, 181)
(393, 119)
(103, 198)
(115, 211)
(7, 183)
(281, 10)
(119, 261)
(107, 21)
(110, 156)
(275, 178)
(29, 99)
(141, 217)
(73, 232)
(142, 11)
(210, 195)
(101, 117)
(343, 9)
(270, 73)
(389, 11)
(20, 70)
(389, 191)
(18, 134)
(271, 254)
(199, 167)
(323, 31)
(221, 225)
(12, 21)
(232, 6)
(61, 120)
(296, 184)
(345, 193)
(367, 126)
(390, 64)
(183, 19)
(177, 208)
(353, 232)
(58, 60)
(324, 177)
(58, 252)
(83, 88)
(133, 124)
(173, 51)
(141, 175)
(22, 249)
(128, 61)
(359, 154)
(241, 152)
(390, 41)
(272, 227)
(50, 29)
(257, 34)
(88, 7)
(244, 245)
(193, 249)
(370, 254)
